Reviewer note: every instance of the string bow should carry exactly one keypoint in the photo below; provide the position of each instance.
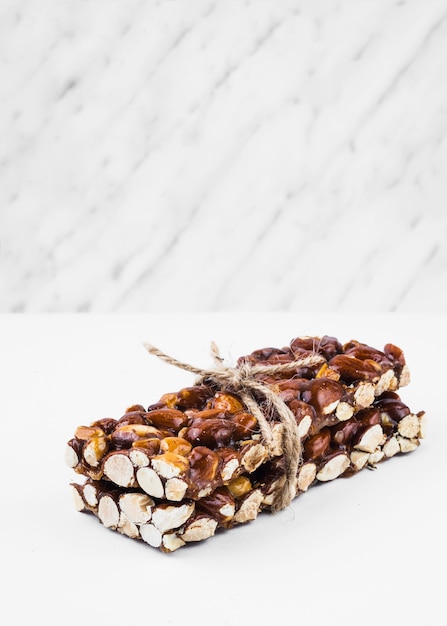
(243, 381)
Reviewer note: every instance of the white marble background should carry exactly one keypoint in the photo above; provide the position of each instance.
(202, 155)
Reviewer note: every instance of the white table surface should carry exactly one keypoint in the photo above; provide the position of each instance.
(366, 550)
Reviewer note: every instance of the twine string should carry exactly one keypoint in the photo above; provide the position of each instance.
(242, 380)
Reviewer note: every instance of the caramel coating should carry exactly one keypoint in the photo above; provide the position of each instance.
(316, 446)
(239, 486)
(87, 432)
(322, 393)
(227, 402)
(203, 466)
(167, 418)
(176, 444)
(393, 406)
(212, 432)
(352, 369)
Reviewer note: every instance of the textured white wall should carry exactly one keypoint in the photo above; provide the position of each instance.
(204, 155)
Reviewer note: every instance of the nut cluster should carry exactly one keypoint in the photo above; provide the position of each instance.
(196, 461)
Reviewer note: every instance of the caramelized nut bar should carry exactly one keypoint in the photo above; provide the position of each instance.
(135, 514)
(168, 526)
(200, 438)
(373, 435)
(213, 449)
(349, 363)
(348, 380)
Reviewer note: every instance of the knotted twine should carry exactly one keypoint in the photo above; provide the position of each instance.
(242, 381)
